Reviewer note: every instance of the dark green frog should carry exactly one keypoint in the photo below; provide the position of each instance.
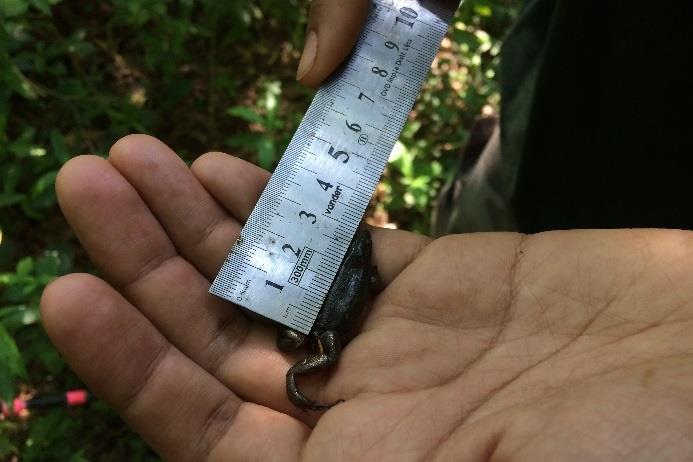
(339, 314)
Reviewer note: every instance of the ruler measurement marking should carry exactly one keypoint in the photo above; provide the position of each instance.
(310, 306)
(303, 317)
(364, 58)
(309, 170)
(330, 268)
(373, 31)
(291, 200)
(352, 84)
(321, 285)
(253, 266)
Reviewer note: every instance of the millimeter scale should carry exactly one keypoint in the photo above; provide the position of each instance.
(292, 245)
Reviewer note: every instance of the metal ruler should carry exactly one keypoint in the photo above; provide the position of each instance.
(294, 241)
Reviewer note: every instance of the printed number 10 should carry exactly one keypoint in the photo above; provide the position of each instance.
(409, 14)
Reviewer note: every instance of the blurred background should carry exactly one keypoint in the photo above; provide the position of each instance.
(200, 75)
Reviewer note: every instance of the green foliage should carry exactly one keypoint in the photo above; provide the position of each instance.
(11, 365)
(269, 131)
(201, 75)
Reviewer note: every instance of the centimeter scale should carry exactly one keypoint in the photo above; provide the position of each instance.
(294, 241)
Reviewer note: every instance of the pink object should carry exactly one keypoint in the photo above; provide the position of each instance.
(18, 405)
(4, 411)
(77, 397)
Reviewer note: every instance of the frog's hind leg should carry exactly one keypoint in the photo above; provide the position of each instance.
(329, 348)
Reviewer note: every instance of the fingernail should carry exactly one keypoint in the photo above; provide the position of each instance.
(310, 49)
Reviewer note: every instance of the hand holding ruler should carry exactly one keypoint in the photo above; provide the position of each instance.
(294, 241)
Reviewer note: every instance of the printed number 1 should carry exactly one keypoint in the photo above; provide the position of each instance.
(274, 284)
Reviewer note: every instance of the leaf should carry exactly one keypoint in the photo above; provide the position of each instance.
(48, 265)
(10, 8)
(63, 254)
(7, 278)
(267, 153)
(21, 145)
(270, 99)
(12, 176)
(58, 149)
(483, 10)
(16, 292)
(15, 317)
(42, 195)
(6, 447)
(398, 151)
(11, 364)
(42, 5)
(24, 267)
(51, 359)
(8, 199)
(466, 39)
(246, 114)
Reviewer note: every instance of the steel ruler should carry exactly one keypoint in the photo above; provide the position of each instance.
(292, 245)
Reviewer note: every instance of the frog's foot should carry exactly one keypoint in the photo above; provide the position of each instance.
(330, 348)
(290, 340)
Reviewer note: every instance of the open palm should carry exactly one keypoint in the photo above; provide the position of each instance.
(567, 345)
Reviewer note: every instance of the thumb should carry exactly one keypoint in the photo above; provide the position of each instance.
(333, 27)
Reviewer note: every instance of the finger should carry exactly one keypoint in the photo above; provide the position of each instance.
(233, 182)
(394, 250)
(181, 410)
(450, 269)
(110, 220)
(200, 229)
(127, 242)
(333, 29)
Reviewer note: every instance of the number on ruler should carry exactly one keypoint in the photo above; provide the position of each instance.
(354, 127)
(274, 284)
(307, 215)
(336, 155)
(407, 13)
(363, 95)
(391, 46)
(380, 72)
(295, 252)
(324, 185)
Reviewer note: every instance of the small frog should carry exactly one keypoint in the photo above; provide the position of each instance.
(339, 314)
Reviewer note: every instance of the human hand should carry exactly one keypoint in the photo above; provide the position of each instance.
(559, 346)
(333, 28)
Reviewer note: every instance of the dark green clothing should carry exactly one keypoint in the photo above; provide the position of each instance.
(596, 121)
